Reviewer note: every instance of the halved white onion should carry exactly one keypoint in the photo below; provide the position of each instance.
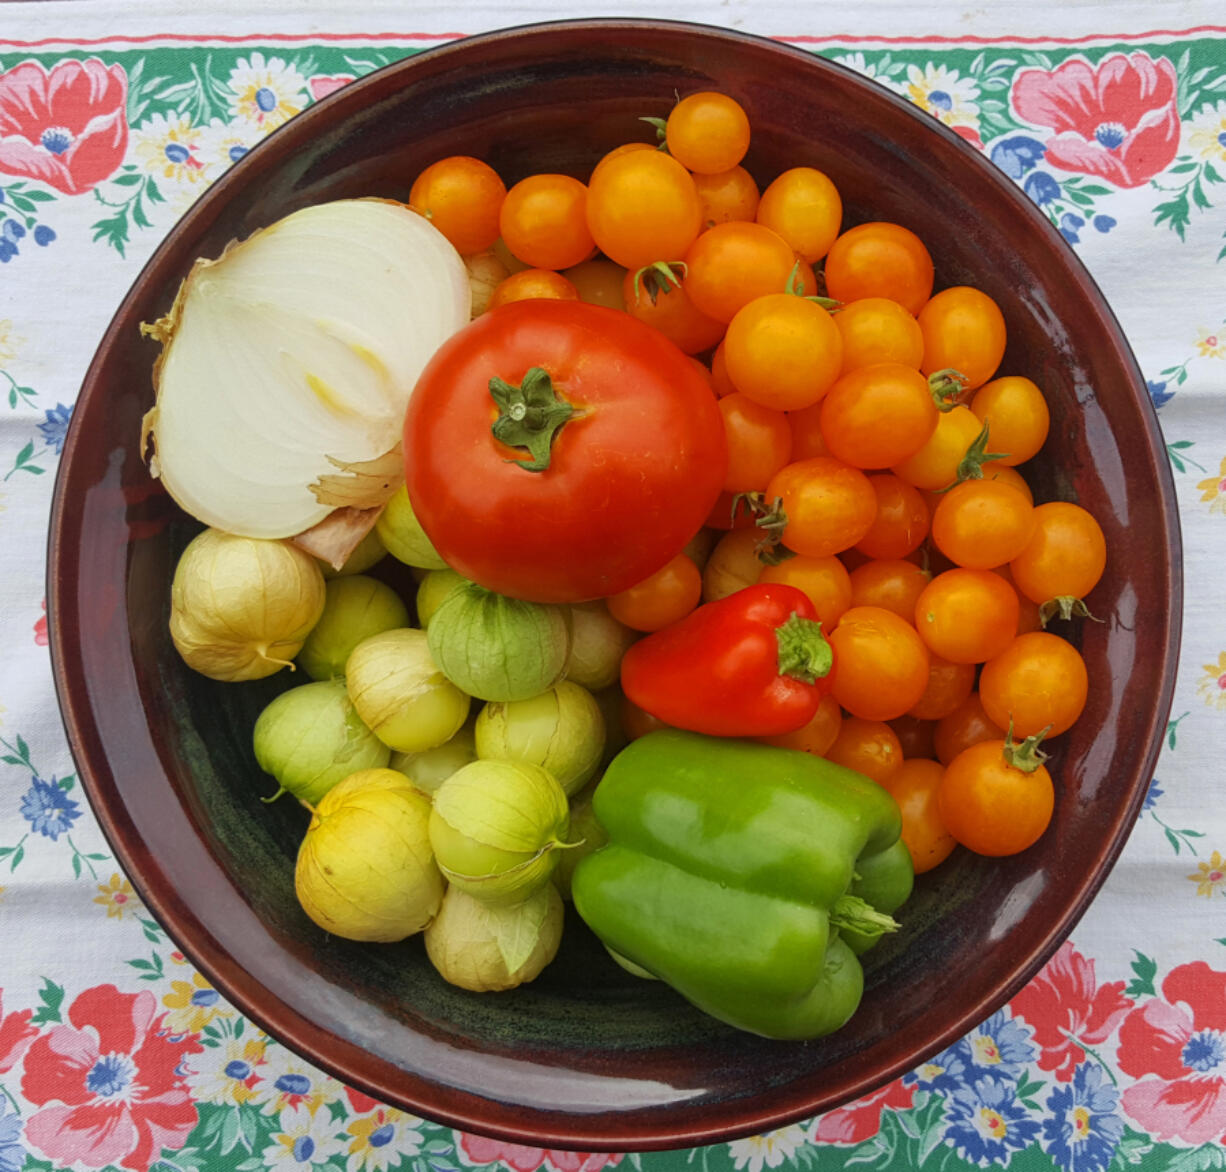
(288, 363)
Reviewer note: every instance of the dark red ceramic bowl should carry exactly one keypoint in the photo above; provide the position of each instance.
(586, 1056)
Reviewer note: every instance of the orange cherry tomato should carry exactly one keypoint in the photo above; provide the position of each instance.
(1004, 474)
(967, 616)
(824, 580)
(902, 520)
(543, 221)
(804, 207)
(992, 807)
(532, 284)
(462, 197)
(870, 747)
(726, 195)
(936, 464)
(1039, 682)
(880, 259)
(818, 735)
(1064, 558)
(915, 786)
(891, 583)
(759, 443)
(949, 684)
(807, 438)
(616, 153)
(783, 351)
(963, 330)
(662, 598)
(880, 663)
(642, 207)
(966, 725)
(707, 132)
(1029, 617)
(876, 329)
(719, 372)
(828, 504)
(877, 416)
(915, 736)
(731, 264)
(599, 282)
(1016, 413)
(982, 524)
(663, 303)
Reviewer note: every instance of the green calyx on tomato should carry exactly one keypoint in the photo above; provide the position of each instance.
(797, 288)
(661, 276)
(804, 653)
(771, 519)
(946, 385)
(530, 416)
(1065, 607)
(977, 455)
(1027, 756)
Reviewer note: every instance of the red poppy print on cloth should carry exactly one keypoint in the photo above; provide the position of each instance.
(65, 125)
(322, 84)
(862, 1120)
(1066, 1006)
(1119, 121)
(15, 1035)
(1176, 1048)
(519, 1158)
(108, 1084)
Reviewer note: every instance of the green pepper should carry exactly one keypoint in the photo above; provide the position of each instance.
(733, 872)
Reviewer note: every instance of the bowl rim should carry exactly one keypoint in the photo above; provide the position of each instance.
(283, 1022)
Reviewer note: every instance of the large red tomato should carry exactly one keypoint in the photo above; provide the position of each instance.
(558, 451)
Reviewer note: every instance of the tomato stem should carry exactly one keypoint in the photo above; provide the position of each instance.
(946, 385)
(530, 416)
(796, 287)
(661, 276)
(804, 653)
(977, 455)
(1027, 756)
(772, 520)
(1066, 606)
(661, 133)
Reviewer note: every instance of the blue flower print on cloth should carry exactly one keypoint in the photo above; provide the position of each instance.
(48, 809)
(1083, 1126)
(987, 1124)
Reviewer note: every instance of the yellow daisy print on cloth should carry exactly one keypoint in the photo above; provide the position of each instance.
(1211, 687)
(266, 94)
(9, 341)
(1210, 877)
(1211, 343)
(192, 1005)
(1213, 490)
(117, 896)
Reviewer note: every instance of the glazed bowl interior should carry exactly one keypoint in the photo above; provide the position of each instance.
(588, 1056)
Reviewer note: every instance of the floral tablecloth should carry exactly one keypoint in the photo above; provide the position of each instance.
(114, 1053)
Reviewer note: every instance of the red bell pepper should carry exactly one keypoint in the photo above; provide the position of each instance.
(749, 665)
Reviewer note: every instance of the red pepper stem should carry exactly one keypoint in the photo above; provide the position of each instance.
(804, 653)
(856, 914)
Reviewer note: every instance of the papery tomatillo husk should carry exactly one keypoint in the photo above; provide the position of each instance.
(586, 833)
(561, 729)
(369, 552)
(365, 869)
(403, 536)
(487, 948)
(240, 607)
(312, 737)
(430, 768)
(498, 648)
(497, 828)
(597, 643)
(485, 272)
(435, 586)
(355, 608)
(399, 691)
